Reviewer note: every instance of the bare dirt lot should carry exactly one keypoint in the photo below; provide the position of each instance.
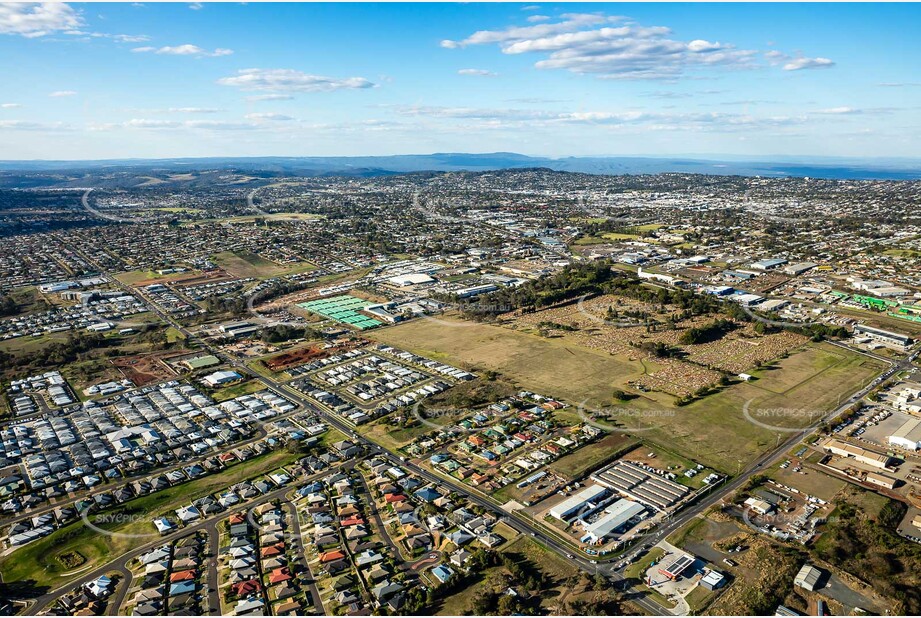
(143, 369)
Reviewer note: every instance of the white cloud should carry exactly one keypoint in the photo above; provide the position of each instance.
(518, 118)
(625, 51)
(269, 97)
(130, 38)
(538, 18)
(32, 20)
(798, 64)
(184, 50)
(196, 6)
(267, 116)
(838, 110)
(10, 105)
(479, 72)
(194, 110)
(613, 47)
(290, 80)
(157, 124)
(62, 93)
(571, 22)
(24, 125)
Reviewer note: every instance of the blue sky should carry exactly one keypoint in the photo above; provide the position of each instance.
(118, 80)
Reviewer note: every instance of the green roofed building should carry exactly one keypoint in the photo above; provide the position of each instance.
(200, 362)
(344, 309)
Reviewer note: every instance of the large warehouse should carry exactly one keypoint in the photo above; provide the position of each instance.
(572, 506)
(908, 436)
(863, 455)
(637, 484)
(614, 517)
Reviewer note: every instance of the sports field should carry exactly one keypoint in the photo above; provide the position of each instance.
(713, 431)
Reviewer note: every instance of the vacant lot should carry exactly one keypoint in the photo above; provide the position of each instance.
(713, 431)
(551, 367)
(245, 264)
(586, 459)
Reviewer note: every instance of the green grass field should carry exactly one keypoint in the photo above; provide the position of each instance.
(243, 388)
(552, 367)
(247, 264)
(579, 463)
(38, 561)
(713, 431)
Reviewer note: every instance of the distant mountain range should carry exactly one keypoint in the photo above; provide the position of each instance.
(839, 168)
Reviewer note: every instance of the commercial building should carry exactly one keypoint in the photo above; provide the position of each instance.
(221, 377)
(345, 309)
(675, 565)
(411, 279)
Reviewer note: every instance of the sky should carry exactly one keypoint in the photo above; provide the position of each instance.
(149, 80)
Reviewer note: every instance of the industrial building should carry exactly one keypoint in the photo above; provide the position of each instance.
(864, 456)
(476, 290)
(239, 329)
(884, 336)
(798, 269)
(770, 264)
(614, 518)
(881, 480)
(808, 577)
(645, 487)
(908, 436)
(575, 504)
(762, 507)
(774, 304)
